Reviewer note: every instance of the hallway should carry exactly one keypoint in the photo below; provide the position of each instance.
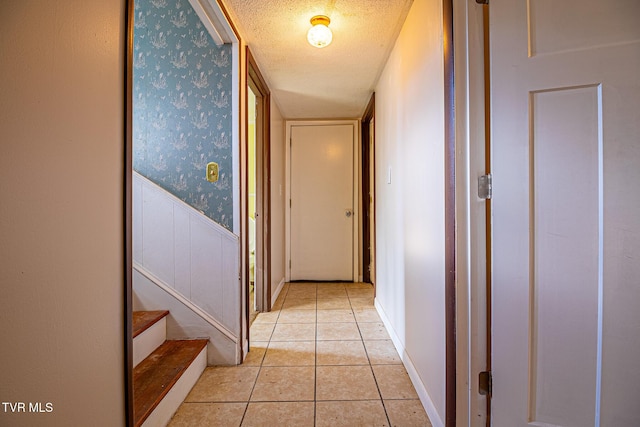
(321, 357)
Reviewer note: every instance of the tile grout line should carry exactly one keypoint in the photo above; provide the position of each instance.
(352, 310)
(246, 409)
(384, 407)
(315, 352)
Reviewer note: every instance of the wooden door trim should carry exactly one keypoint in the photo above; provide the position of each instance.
(368, 170)
(258, 84)
(450, 213)
(128, 216)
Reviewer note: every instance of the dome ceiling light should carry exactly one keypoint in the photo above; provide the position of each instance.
(320, 35)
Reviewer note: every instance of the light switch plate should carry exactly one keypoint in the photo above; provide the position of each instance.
(212, 172)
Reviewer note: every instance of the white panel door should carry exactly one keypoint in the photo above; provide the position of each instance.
(566, 212)
(322, 218)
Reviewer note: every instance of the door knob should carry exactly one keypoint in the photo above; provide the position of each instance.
(348, 213)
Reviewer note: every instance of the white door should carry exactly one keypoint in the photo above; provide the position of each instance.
(566, 212)
(321, 213)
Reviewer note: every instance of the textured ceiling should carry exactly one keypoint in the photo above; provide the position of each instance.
(311, 83)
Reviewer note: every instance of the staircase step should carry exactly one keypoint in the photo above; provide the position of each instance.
(143, 320)
(149, 332)
(154, 377)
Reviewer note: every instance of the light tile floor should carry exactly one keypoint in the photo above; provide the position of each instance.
(321, 357)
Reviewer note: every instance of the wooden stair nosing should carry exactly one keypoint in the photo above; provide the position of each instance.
(143, 320)
(154, 376)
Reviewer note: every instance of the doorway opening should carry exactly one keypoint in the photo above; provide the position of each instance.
(179, 177)
(322, 190)
(368, 194)
(258, 193)
(251, 194)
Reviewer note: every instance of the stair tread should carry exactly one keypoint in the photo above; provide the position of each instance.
(142, 320)
(155, 375)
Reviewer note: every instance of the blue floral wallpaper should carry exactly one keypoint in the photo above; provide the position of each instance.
(182, 106)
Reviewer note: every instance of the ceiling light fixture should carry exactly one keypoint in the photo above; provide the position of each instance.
(320, 35)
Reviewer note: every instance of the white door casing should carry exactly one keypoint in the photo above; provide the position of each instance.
(322, 215)
(471, 226)
(566, 212)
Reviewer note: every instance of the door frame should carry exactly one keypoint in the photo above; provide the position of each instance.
(450, 217)
(473, 254)
(256, 82)
(128, 217)
(356, 188)
(368, 152)
(217, 21)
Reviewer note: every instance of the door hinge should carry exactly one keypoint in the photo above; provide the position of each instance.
(485, 187)
(485, 383)
(289, 264)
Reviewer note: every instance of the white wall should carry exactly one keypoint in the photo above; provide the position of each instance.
(278, 192)
(187, 252)
(61, 198)
(410, 210)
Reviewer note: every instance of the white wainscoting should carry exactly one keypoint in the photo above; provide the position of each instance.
(188, 251)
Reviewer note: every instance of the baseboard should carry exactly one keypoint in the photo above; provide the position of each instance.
(274, 295)
(426, 401)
